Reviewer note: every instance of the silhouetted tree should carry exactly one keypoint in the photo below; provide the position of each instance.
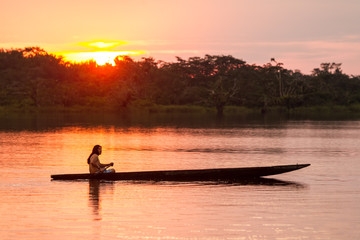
(32, 77)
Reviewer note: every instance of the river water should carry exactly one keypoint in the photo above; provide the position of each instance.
(318, 202)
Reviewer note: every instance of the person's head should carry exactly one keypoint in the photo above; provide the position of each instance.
(97, 149)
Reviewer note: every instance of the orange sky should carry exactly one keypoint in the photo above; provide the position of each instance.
(300, 33)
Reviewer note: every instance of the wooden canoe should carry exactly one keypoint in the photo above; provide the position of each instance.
(218, 174)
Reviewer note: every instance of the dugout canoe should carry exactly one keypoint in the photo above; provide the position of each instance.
(217, 174)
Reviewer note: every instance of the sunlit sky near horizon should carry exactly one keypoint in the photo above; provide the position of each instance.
(302, 34)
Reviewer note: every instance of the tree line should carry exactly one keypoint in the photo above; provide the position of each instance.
(33, 77)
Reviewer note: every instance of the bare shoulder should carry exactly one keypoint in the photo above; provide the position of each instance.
(94, 158)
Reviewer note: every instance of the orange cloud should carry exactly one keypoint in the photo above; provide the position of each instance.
(102, 44)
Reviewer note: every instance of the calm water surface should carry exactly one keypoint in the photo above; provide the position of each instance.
(318, 202)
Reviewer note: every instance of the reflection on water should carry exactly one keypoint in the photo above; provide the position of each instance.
(319, 202)
(96, 188)
(57, 120)
(50, 121)
(99, 187)
(261, 181)
(94, 197)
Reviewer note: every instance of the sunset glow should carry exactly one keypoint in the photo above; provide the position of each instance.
(254, 31)
(101, 57)
(102, 44)
(100, 51)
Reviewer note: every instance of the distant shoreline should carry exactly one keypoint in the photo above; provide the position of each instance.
(189, 109)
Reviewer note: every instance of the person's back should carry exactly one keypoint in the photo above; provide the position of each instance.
(94, 165)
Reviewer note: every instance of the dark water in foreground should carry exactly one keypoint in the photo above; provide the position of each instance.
(318, 202)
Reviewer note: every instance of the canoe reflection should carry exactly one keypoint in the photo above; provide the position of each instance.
(261, 181)
(234, 182)
(96, 187)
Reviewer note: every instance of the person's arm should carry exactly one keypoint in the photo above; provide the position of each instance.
(106, 165)
(101, 166)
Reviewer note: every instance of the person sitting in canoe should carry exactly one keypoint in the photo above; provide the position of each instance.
(94, 163)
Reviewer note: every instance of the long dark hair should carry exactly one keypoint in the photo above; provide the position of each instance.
(94, 151)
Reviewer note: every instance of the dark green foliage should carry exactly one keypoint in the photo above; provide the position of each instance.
(32, 77)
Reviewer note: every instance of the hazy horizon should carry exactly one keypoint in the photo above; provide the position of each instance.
(300, 34)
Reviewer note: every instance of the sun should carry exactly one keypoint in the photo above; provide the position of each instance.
(101, 52)
(100, 57)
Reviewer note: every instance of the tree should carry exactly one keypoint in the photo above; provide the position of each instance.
(215, 77)
(31, 76)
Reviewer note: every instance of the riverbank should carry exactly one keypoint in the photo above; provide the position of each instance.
(139, 108)
(172, 116)
(152, 109)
